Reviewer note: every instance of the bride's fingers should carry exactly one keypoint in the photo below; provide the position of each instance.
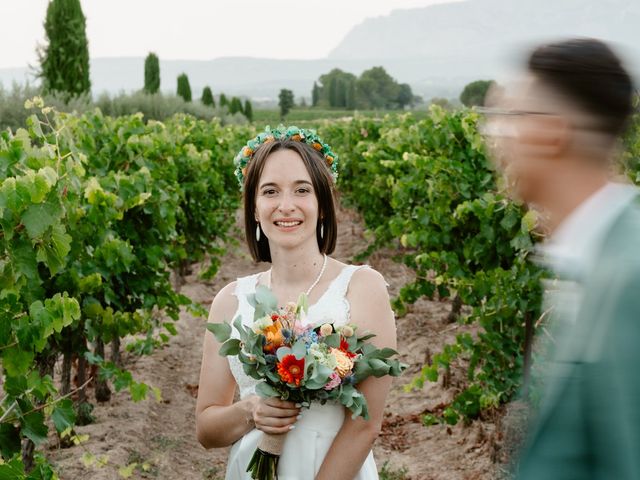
(278, 403)
(275, 425)
(267, 411)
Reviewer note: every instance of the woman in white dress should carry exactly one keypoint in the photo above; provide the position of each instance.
(290, 221)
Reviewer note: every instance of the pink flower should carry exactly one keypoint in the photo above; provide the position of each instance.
(299, 330)
(334, 381)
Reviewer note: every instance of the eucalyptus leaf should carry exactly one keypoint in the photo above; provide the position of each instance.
(282, 352)
(265, 390)
(230, 348)
(222, 331)
(299, 349)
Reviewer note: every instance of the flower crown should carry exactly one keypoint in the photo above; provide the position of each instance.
(310, 137)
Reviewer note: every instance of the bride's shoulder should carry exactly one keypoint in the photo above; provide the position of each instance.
(224, 303)
(368, 277)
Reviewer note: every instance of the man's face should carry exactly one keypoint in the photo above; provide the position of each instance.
(526, 135)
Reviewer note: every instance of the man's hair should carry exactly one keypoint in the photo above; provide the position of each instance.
(590, 74)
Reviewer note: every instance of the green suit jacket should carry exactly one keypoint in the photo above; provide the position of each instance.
(588, 425)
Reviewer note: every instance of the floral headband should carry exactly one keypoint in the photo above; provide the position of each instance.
(310, 137)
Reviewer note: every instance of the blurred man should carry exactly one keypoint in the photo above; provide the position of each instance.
(556, 140)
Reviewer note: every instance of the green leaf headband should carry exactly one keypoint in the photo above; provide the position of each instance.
(310, 137)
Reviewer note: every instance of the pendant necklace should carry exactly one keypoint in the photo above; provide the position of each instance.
(324, 266)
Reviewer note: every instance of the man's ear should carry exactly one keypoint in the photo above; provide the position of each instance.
(548, 136)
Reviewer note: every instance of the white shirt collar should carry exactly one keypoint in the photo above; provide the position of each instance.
(571, 248)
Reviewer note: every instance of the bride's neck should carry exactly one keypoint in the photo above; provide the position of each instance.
(297, 268)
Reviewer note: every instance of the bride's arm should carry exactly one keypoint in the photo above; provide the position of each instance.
(370, 311)
(220, 421)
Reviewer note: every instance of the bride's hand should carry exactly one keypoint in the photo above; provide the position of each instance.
(272, 415)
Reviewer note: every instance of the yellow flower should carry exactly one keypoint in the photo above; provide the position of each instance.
(329, 160)
(247, 151)
(344, 363)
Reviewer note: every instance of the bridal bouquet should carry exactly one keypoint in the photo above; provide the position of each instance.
(301, 363)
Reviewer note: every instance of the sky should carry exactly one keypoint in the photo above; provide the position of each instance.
(197, 29)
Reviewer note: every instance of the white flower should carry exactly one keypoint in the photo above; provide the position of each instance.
(260, 324)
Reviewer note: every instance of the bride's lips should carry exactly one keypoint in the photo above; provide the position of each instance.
(287, 224)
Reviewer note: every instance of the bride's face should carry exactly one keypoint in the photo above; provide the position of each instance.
(286, 203)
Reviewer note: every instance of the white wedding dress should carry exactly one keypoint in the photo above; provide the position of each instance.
(305, 446)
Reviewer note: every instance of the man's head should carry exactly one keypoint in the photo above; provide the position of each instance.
(564, 118)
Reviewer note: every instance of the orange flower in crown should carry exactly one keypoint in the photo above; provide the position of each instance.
(295, 134)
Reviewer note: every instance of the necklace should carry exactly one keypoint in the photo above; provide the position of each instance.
(324, 266)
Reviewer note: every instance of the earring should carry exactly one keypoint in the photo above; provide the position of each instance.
(258, 233)
(322, 230)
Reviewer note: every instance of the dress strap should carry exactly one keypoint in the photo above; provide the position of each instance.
(245, 286)
(342, 281)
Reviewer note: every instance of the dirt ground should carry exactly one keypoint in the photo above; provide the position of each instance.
(160, 436)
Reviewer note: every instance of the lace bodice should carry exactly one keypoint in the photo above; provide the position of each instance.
(332, 306)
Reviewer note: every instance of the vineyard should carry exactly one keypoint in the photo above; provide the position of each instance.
(106, 225)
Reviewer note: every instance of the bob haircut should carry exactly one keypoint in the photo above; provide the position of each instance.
(322, 185)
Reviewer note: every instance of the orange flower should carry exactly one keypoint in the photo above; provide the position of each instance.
(244, 172)
(329, 159)
(291, 370)
(269, 140)
(247, 152)
(345, 364)
(273, 334)
(317, 146)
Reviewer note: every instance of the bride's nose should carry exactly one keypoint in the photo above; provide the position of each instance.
(286, 202)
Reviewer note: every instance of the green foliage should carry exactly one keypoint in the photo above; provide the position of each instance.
(152, 73)
(64, 61)
(207, 97)
(154, 107)
(285, 102)
(184, 88)
(223, 100)
(248, 110)
(427, 187)
(374, 89)
(474, 93)
(94, 213)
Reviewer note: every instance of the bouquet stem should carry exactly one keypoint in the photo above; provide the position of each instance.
(264, 462)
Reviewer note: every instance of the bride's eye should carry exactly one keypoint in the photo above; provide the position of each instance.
(269, 192)
(304, 190)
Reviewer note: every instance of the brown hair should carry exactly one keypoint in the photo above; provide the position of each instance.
(588, 72)
(322, 186)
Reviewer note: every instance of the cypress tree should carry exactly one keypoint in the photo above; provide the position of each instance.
(184, 89)
(207, 97)
(152, 73)
(223, 100)
(235, 106)
(248, 110)
(64, 62)
(315, 95)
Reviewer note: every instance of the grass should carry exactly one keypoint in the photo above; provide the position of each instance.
(390, 473)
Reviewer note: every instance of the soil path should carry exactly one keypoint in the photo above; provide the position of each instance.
(160, 436)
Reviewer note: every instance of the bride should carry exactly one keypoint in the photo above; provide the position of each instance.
(287, 176)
